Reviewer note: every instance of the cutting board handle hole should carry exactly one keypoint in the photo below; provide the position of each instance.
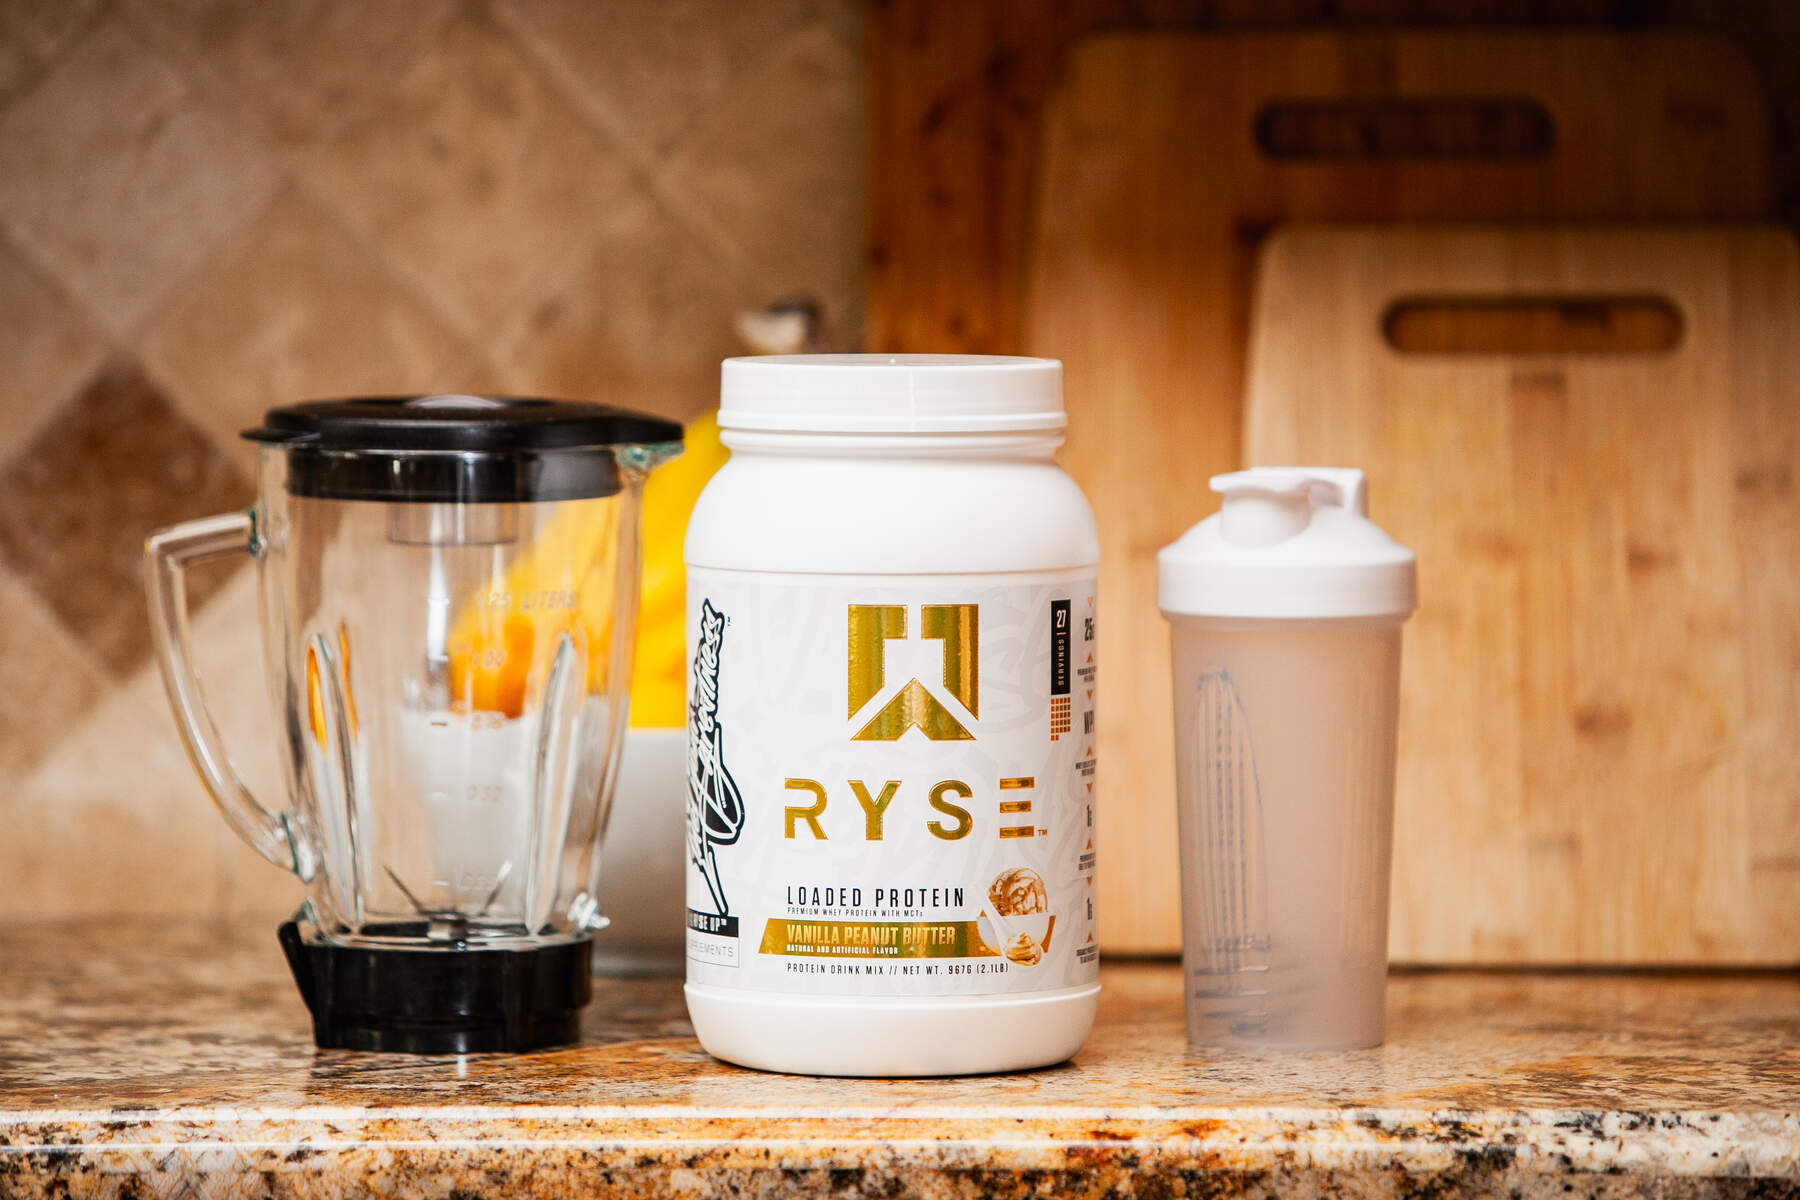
(1493, 127)
(1550, 324)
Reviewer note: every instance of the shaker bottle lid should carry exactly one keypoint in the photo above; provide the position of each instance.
(891, 393)
(1288, 542)
(454, 448)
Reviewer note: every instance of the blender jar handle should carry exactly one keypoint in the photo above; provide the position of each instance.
(167, 555)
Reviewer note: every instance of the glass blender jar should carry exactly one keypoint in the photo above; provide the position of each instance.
(448, 587)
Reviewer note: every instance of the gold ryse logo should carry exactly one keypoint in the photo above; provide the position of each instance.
(872, 626)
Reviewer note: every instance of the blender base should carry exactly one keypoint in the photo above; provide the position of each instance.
(447, 1001)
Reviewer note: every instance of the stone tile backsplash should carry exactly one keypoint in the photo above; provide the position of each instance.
(75, 505)
(120, 179)
(210, 208)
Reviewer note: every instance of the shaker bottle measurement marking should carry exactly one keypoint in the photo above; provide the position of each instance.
(1237, 942)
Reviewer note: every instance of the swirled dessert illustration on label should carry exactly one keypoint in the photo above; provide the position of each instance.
(1019, 911)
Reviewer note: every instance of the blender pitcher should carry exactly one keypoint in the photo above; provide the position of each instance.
(448, 589)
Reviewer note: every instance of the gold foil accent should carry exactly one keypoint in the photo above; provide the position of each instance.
(1016, 782)
(811, 813)
(874, 810)
(911, 706)
(870, 628)
(1015, 806)
(964, 821)
(874, 939)
(1017, 831)
(959, 627)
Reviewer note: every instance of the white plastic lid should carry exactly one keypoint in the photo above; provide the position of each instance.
(891, 393)
(1289, 542)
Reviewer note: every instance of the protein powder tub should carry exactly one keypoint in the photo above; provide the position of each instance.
(891, 721)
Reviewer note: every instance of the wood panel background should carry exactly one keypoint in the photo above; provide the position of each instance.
(1168, 156)
(956, 96)
(1601, 689)
(958, 93)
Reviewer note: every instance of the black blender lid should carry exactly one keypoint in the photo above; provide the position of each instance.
(456, 448)
(453, 422)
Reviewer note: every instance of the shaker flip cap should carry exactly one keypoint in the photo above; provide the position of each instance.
(1288, 543)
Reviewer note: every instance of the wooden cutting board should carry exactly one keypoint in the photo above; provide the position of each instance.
(955, 107)
(1593, 442)
(1167, 156)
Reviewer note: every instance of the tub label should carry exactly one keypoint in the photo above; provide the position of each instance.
(890, 785)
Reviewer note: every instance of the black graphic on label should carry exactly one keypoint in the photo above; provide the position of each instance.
(712, 924)
(715, 809)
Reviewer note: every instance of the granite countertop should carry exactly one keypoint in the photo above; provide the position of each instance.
(144, 1062)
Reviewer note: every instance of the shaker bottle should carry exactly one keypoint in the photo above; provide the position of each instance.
(1286, 608)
